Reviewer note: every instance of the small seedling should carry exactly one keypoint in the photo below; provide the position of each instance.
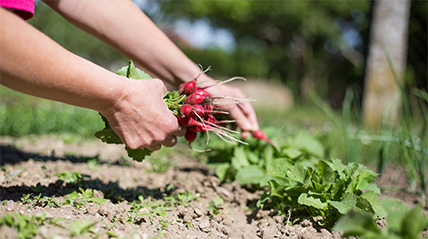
(26, 226)
(69, 178)
(79, 228)
(79, 199)
(216, 205)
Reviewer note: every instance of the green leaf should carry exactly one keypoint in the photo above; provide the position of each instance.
(336, 165)
(356, 224)
(396, 212)
(326, 172)
(298, 173)
(415, 221)
(277, 187)
(239, 159)
(123, 71)
(365, 178)
(307, 143)
(277, 167)
(221, 170)
(373, 199)
(268, 153)
(132, 72)
(251, 175)
(373, 187)
(347, 203)
(364, 205)
(253, 157)
(291, 153)
(97, 200)
(304, 199)
(138, 154)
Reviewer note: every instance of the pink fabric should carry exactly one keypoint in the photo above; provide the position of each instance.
(24, 8)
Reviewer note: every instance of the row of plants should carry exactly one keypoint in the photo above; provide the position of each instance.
(80, 193)
(298, 180)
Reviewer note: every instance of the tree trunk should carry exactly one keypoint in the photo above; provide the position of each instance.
(388, 32)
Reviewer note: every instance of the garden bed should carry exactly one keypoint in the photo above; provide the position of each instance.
(110, 196)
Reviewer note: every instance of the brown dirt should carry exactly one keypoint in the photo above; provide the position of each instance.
(30, 161)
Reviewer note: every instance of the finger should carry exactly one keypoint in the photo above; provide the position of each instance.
(180, 132)
(250, 113)
(170, 141)
(155, 147)
(241, 119)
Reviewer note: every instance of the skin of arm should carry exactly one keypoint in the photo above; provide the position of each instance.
(32, 63)
(126, 28)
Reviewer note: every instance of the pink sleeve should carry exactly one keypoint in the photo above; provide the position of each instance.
(24, 8)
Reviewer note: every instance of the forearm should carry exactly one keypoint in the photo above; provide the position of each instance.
(141, 40)
(34, 64)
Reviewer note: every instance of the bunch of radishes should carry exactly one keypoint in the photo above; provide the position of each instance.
(197, 113)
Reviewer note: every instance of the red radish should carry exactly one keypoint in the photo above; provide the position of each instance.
(187, 88)
(189, 122)
(258, 134)
(198, 97)
(208, 106)
(186, 110)
(198, 111)
(210, 118)
(190, 136)
(196, 128)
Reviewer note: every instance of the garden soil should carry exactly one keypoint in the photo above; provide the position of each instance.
(31, 165)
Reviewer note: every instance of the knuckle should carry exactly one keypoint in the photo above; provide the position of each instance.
(170, 125)
(159, 84)
(132, 145)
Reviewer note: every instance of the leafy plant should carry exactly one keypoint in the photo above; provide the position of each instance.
(79, 228)
(79, 199)
(71, 177)
(257, 162)
(329, 189)
(93, 164)
(26, 226)
(401, 222)
(180, 198)
(39, 200)
(215, 206)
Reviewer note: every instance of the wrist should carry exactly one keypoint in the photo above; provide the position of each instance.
(114, 89)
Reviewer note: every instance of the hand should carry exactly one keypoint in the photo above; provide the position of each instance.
(141, 118)
(243, 112)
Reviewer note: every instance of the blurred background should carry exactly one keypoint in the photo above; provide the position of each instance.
(298, 53)
(308, 46)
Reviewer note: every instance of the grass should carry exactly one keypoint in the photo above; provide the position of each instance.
(332, 127)
(22, 114)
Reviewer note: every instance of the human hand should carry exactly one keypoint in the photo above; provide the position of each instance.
(141, 118)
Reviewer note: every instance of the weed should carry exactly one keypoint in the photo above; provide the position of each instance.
(216, 205)
(26, 226)
(162, 224)
(70, 178)
(78, 228)
(81, 198)
(93, 164)
(37, 189)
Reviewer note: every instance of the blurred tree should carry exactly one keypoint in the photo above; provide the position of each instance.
(74, 39)
(306, 44)
(389, 33)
